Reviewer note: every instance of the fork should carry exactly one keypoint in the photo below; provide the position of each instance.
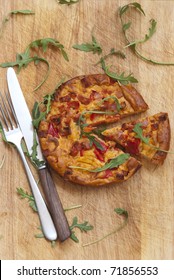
(13, 134)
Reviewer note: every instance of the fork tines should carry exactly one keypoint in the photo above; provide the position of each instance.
(7, 112)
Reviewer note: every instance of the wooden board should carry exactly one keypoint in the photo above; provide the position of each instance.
(149, 195)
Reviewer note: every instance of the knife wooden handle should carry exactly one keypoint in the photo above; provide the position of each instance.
(54, 204)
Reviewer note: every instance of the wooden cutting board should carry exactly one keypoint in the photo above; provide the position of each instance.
(149, 195)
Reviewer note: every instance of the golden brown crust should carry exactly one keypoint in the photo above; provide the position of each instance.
(134, 98)
(163, 137)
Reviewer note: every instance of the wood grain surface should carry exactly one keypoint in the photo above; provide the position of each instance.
(149, 195)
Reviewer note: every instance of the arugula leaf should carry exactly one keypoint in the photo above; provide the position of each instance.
(119, 211)
(84, 227)
(2, 133)
(82, 121)
(44, 44)
(152, 30)
(115, 99)
(133, 45)
(23, 59)
(121, 78)
(89, 47)
(82, 124)
(72, 207)
(139, 133)
(113, 163)
(94, 140)
(38, 115)
(68, 2)
(23, 12)
(112, 52)
(135, 5)
(38, 163)
(30, 198)
(14, 12)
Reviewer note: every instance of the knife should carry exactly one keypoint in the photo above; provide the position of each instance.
(49, 188)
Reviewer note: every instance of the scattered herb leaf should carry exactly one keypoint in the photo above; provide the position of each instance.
(133, 45)
(120, 78)
(23, 59)
(84, 227)
(111, 53)
(38, 115)
(139, 133)
(135, 5)
(152, 30)
(68, 2)
(44, 43)
(24, 194)
(89, 47)
(119, 211)
(39, 235)
(2, 133)
(115, 99)
(38, 163)
(113, 163)
(72, 207)
(82, 121)
(14, 12)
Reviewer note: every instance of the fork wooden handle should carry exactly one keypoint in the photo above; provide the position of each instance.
(54, 204)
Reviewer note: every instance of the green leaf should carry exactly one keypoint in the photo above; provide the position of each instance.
(45, 42)
(89, 47)
(23, 12)
(68, 2)
(126, 25)
(152, 30)
(113, 163)
(119, 211)
(114, 98)
(111, 53)
(136, 5)
(14, 12)
(24, 195)
(2, 133)
(74, 237)
(133, 45)
(84, 227)
(23, 59)
(139, 133)
(38, 115)
(121, 78)
(38, 163)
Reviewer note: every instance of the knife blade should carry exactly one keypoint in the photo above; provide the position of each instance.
(49, 188)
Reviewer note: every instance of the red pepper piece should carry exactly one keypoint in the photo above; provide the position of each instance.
(108, 173)
(132, 146)
(93, 116)
(103, 145)
(98, 155)
(52, 130)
